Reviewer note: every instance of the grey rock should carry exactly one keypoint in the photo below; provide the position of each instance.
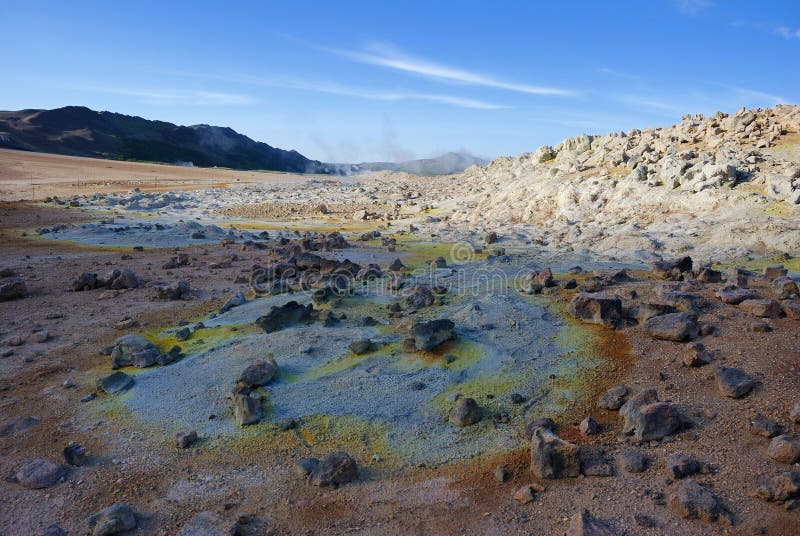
(429, 335)
(39, 473)
(184, 438)
(246, 409)
(735, 295)
(784, 449)
(361, 346)
(589, 426)
(465, 412)
(733, 382)
(544, 422)
(75, 454)
(183, 333)
(690, 500)
(115, 383)
(596, 308)
(697, 355)
(305, 467)
(259, 373)
(633, 461)
(234, 301)
(419, 296)
(673, 327)
(126, 346)
(145, 358)
(117, 518)
(614, 398)
(786, 288)
(760, 425)
(552, 457)
(648, 419)
(12, 289)
(648, 310)
(52, 530)
(781, 487)
(682, 465)
(16, 425)
(286, 315)
(334, 470)
(122, 279)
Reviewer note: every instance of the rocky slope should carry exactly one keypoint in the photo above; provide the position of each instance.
(79, 131)
(726, 185)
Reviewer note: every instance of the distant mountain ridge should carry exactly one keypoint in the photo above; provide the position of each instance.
(80, 131)
(445, 164)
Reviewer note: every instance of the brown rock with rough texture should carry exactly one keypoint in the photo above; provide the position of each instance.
(786, 288)
(697, 356)
(334, 470)
(762, 308)
(37, 474)
(792, 310)
(733, 382)
(585, 524)
(648, 419)
(597, 309)
(690, 500)
(781, 487)
(465, 412)
(552, 457)
(614, 398)
(13, 289)
(673, 327)
(784, 449)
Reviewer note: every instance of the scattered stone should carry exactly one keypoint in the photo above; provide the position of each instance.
(524, 495)
(115, 383)
(419, 296)
(429, 335)
(208, 524)
(760, 425)
(234, 301)
(644, 521)
(258, 373)
(116, 518)
(648, 310)
(735, 295)
(633, 461)
(647, 419)
(14, 340)
(305, 467)
(794, 415)
(87, 281)
(122, 279)
(465, 412)
(185, 438)
(16, 425)
(334, 470)
(501, 474)
(614, 398)
(585, 524)
(397, 266)
(697, 355)
(126, 346)
(762, 308)
(792, 310)
(145, 358)
(708, 275)
(491, 238)
(544, 422)
(176, 291)
(41, 336)
(775, 272)
(597, 309)
(733, 382)
(786, 288)
(53, 530)
(75, 454)
(13, 289)
(673, 327)
(681, 465)
(738, 277)
(690, 500)
(183, 333)
(784, 449)
(781, 487)
(759, 327)
(361, 347)
(595, 462)
(246, 409)
(552, 457)
(589, 426)
(672, 269)
(38, 474)
(282, 317)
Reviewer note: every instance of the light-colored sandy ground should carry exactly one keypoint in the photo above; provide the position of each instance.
(35, 176)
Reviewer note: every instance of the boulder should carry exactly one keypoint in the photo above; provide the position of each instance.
(552, 457)
(775, 272)
(125, 347)
(792, 310)
(122, 279)
(419, 296)
(246, 409)
(185, 438)
(258, 373)
(464, 412)
(673, 327)
(305, 467)
(784, 449)
(762, 308)
(633, 461)
(697, 355)
(690, 500)
(175, 291)
(116, 518)
(648, 310)
(735, 295)
(87, 281)
(786, 288)
(596, 308)
(733, 382)
(361, 346)
(648, 419)
(782, 487)
(74, 454)
(12, 289)
(334, 470)
(708, 275)
(115, 383)
(614, 398)
(682, 465)
(286, 315)
(429, 335)
(234, 301)
(38, 474)
(671, 269)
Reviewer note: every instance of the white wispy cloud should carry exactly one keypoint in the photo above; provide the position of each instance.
(692, 7)
(170, 96)
(350, 91)
(787, 33)
(390, 57)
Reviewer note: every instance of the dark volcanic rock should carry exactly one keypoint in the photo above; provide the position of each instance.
(735, 295)
(126, 347)
(282, 317)
(784, 449)
(334, 470)
(116, 518)
(585, 524)
(673, 327)
(114, 383)
(37, 474)
(465, 412)
(429, 335)
(597, 309)
(614, 397)
(760, 425)
(12, 289)
(733, 382)
(648, 419)
(633, 461)
(552, 457)
(259, 373)
(74, 454)
(690, 500)
(781, 487)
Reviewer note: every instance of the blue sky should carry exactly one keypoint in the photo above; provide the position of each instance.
(353, 81)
